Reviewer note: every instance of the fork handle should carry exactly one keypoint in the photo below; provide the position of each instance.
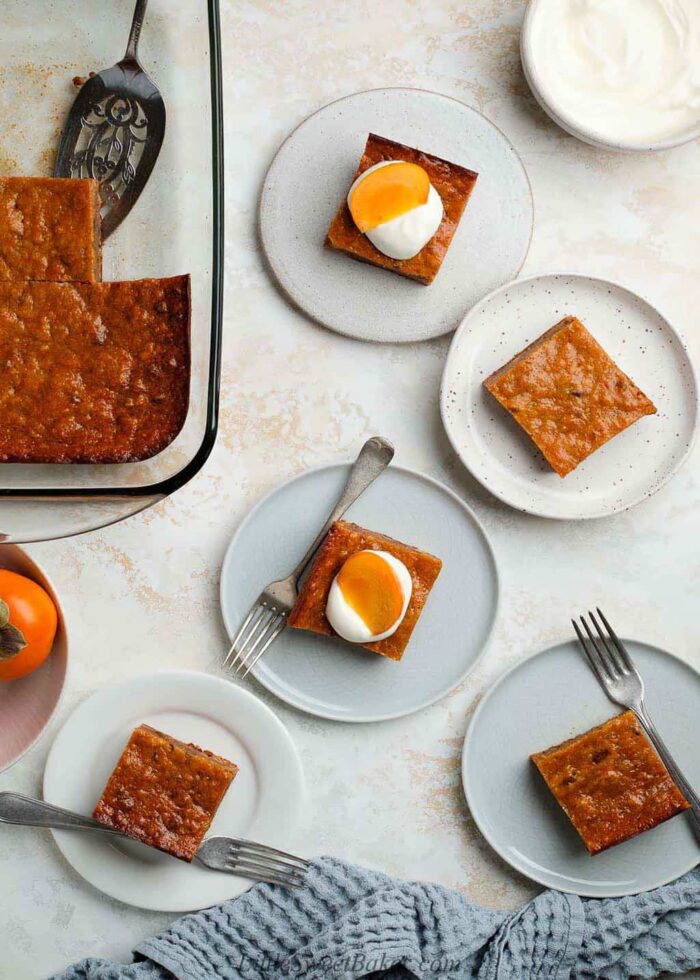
(18, 809)
(668, 760)
(373, 459)
(132, 48)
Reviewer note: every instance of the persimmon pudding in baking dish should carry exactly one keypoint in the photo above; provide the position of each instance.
(402, 209)
(94, 372)
(568, 394)
(366, 588)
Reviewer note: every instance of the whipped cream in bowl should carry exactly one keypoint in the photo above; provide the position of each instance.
(621, 74)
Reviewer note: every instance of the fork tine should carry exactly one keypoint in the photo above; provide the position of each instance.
(251, 656)
(613, 657)
(263, 871)
(252, 637)
(618, 643)
(601, 659)
(272, 636)
(272, 862)
(258, 868)
(261, 865)
(252, 869)
(593, 663)
(275, 865)
(263, 850)
(244, 633)
(253, 609)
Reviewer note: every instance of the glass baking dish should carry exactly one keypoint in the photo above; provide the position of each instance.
(175, 227)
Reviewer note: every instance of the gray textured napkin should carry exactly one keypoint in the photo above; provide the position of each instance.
(349, 922)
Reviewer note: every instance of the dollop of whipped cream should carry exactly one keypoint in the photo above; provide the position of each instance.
(369, 597)
(403, 237)
(624, 70)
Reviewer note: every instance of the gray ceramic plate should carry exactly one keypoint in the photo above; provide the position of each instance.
(629, 468)
(311, 175)
(540, 702)
(333, 679)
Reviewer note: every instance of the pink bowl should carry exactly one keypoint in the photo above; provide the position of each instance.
(28, 704)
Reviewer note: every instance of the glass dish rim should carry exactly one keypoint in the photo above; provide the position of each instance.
(170, 484)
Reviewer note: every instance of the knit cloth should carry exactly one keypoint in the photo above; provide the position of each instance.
(349, 922)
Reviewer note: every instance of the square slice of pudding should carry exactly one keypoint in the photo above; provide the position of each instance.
(568, 394)
(342, 541)
(93, 372)
(452, 182)
(50, 229)
(165, 793)
(610, 782)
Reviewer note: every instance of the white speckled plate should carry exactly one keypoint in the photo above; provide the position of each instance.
(541, 702)
(311, 175)
(633, 465)
(212, 713)
(333, 679)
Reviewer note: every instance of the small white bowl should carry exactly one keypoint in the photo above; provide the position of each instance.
(548, 102)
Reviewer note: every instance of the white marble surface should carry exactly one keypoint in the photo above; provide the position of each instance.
(144, 594)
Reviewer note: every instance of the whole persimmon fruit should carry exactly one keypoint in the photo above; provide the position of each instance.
(28, 622)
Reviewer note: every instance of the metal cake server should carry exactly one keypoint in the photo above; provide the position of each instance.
(239, 857)
(114, 131)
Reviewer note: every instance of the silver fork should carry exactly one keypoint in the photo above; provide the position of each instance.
(240, 857)
(267, 616)
(623, 684)
(256, 861)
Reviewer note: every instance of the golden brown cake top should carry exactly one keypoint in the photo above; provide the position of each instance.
(345, 539)
(568, 394)
(610, 782)
(93, 372)
(453, 183)
(165, 792)
(50, 229)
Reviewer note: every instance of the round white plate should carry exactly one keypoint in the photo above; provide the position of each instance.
(311, 175)
(633, 465)
(262, 804)
(541, 702)
(333, 679)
